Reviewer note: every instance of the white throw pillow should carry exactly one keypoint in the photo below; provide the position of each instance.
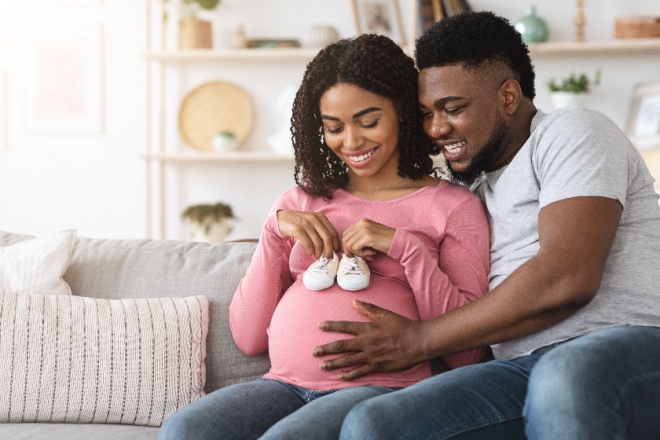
(73, 359)
(37, 265)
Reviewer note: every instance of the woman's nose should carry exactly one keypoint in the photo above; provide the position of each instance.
(353, 138)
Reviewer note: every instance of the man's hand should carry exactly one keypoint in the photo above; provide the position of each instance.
(387, 344)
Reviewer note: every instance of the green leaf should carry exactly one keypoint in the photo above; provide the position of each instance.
(208, 4)
(574, 83)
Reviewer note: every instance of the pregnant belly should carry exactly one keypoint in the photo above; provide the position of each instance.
(294, 329)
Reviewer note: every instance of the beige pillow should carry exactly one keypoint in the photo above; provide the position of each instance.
(37, 265)
(73, 359)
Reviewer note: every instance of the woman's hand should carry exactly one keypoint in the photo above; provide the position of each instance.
(366, 237)
(312, 229)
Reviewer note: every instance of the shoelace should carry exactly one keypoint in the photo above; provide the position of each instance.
(353, 268)
(321, 266)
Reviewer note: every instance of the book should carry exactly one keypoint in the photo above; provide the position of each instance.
(438, 10)
(430, 12)
(457, 6)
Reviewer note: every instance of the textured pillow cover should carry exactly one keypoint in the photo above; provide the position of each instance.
(37, 265)
(82, 360)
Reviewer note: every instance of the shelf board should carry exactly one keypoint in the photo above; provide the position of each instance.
(629, 45)
(293, 54)
(212, 156)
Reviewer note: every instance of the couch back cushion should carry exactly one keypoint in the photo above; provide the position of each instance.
(147, 268)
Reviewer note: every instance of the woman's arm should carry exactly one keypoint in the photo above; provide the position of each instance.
(259, 292)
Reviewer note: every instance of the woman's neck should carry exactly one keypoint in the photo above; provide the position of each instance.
(371, 188)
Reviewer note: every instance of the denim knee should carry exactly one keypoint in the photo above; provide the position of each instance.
(582, 388)
(176, 427)
(358, 424)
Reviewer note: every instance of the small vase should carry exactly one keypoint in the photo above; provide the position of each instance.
(320, 36)
(562, 99)
(532, 28)
(210, 231)
(224, 141)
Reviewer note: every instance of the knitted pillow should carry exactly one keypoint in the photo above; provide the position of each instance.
(81, 360)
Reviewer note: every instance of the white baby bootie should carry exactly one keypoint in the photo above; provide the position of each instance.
(321, 274)
(353, 273)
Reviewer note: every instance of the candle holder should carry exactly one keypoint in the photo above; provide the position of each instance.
(580, 21)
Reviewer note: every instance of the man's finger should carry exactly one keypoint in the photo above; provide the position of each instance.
(337, 347)
(369, 310)
(346, 361)
(348, 327)
(356, 373)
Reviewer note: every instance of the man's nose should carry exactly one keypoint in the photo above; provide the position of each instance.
(438, 127)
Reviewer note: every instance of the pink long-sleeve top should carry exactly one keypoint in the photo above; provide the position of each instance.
(438, 261)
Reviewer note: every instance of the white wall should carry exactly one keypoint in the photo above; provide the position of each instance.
(96, 182)
(92, 182)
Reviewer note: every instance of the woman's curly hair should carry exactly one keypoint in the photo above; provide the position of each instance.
(474, 39)
(374, 63)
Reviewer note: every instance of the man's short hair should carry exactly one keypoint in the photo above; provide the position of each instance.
(476, 39)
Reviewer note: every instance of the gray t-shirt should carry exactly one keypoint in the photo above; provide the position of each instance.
(574, 152)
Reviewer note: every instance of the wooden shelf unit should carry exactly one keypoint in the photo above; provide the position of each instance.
(157, 159)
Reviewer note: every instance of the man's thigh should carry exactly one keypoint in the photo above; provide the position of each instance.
(482, 401)
(604, 385)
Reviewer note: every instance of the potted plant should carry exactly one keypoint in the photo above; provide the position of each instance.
(194, 33)
(572, 90)
(208, 223)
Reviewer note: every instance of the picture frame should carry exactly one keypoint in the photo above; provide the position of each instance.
(643, 123)
(71, 56)
(430, 12)
(382, 17)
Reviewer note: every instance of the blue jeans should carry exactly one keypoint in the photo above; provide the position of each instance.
(605, 385)
(268, 409)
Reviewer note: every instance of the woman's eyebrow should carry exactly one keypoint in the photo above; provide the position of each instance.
(365, 111)
(355, 116)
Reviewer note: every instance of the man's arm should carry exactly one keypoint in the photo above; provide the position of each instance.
(575, 237)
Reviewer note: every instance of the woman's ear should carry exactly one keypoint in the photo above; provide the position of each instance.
(510, 95)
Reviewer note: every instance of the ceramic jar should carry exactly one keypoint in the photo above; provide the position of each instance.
(321, 35)
(532, 27)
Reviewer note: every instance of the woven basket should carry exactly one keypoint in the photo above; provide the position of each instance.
(212, 108)
(637, 27)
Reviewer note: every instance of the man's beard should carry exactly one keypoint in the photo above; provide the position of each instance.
(491, 151)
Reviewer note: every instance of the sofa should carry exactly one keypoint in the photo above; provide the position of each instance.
(112, 269)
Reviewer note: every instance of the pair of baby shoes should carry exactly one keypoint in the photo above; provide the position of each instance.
(352, 273)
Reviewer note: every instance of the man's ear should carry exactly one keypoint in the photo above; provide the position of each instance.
(510, 95)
